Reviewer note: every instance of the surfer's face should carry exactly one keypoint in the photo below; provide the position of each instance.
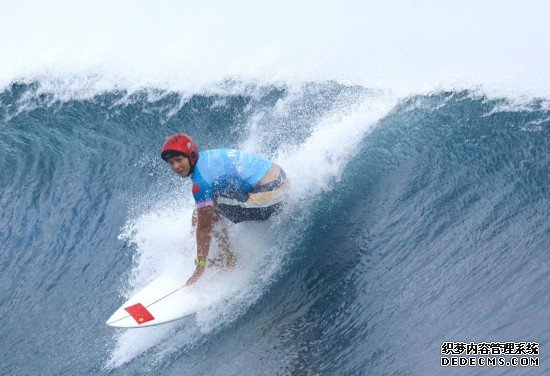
(180, 165)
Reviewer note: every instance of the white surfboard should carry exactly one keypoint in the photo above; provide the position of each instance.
(165, 299)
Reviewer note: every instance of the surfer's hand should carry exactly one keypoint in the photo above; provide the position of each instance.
(196, 275)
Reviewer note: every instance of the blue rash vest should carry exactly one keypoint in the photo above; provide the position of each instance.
(226, 173)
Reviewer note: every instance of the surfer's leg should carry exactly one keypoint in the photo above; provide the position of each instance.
(194, 219)
(226, 253)
(226, 258)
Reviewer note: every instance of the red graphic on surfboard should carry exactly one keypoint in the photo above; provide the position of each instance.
(139, 313)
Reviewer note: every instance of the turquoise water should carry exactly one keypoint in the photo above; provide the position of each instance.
(428, 225)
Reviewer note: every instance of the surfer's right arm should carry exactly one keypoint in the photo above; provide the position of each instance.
(205, 215)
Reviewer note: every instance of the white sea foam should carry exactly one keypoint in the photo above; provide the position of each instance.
(164, 241)
(402, 47)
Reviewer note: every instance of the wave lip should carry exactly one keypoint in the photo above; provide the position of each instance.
(400, 48)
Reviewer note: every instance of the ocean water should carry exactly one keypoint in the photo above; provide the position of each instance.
(411, 222)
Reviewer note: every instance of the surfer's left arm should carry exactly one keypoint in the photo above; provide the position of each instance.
(205, 217)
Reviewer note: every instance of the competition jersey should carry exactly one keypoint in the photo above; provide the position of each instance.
(226, 173)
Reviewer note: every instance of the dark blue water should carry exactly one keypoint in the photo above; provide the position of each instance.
(434, 226)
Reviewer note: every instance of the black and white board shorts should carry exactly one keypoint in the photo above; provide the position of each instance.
(262, 202)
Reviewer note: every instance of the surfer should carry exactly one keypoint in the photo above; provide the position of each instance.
(226, 182)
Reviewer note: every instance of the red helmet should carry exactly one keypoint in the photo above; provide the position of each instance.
(180, 144)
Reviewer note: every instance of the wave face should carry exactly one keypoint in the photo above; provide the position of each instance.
(411, 223)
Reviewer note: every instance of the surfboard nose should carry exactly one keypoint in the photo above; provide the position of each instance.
(119, 315)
